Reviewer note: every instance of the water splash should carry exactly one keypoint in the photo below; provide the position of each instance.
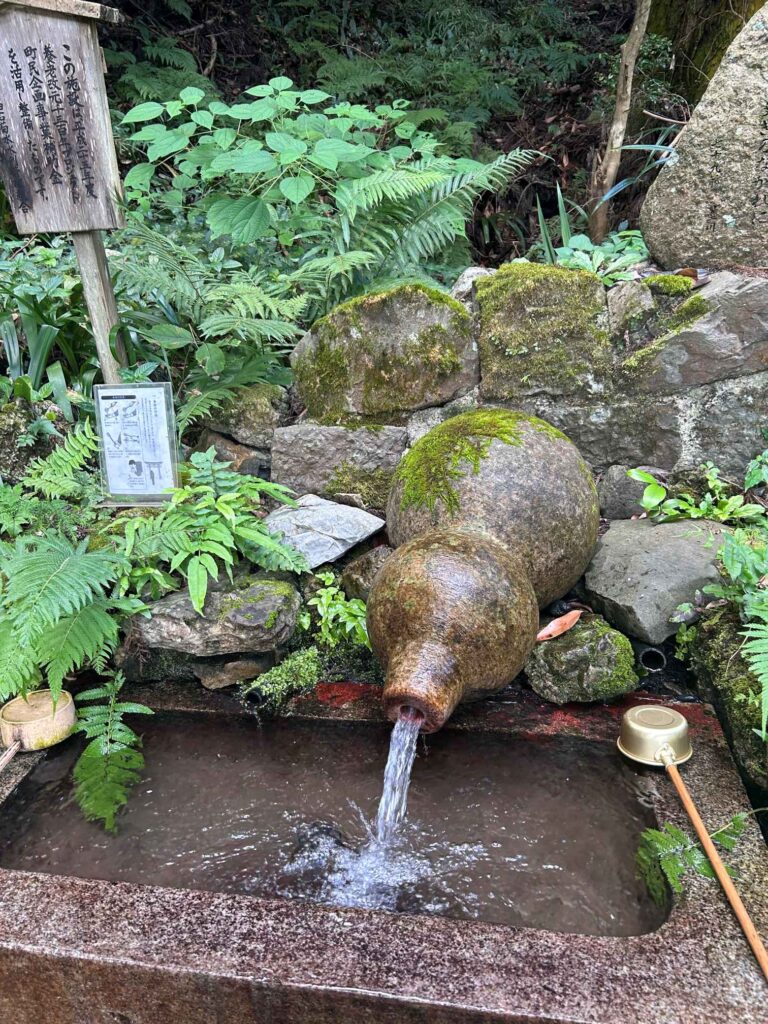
(397, 776)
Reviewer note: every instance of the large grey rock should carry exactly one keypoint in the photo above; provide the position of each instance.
(313, 459)
(728, 339)
(357, 577)
(256, 613)
(709, 205)
(641, 572)
(322, 530)
(251, 416)
(386, 354)
(588, 663)
(620, 495)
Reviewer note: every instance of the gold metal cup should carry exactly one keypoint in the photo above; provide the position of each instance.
(654, 735)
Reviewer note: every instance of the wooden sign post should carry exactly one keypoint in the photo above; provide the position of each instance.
(57, 154)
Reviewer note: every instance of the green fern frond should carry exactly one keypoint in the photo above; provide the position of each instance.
(58, 475)
(90, 635)
(19, 671)
(111, 764)
(755, 652)
(55, 579)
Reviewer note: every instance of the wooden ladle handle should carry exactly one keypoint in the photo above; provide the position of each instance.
(754, 940)
(6, 755)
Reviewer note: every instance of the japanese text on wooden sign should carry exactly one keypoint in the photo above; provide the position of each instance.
(57, 157)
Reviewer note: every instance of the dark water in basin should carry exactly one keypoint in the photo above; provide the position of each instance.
(537, 834)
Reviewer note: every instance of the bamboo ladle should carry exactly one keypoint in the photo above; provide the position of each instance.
(35, 722)
(656, 736)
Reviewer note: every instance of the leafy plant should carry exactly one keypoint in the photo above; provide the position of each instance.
(669, 854)
(339, 618)
(63, 473)
(336, 195)
(744, 563)
(56, 612)
(611, 260)
(210, 523)
(111, 763)
(717, 504)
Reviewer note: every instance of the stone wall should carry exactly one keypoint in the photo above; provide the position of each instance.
(654, 372)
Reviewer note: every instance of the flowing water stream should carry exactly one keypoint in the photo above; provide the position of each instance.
(397, 777)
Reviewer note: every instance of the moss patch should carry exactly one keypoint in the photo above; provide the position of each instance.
(669, 324)
(371, 484)
(544, 328)
(669, 284)
(725, 679)
(457, 447)
(322, 377)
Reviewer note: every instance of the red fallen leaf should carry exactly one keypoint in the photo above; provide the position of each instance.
(559, 625)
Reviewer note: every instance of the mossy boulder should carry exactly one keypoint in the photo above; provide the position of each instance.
(385, 355)
(542, 329)
(252, 414)
(591, 662)
(255, 613)
(725, 680)
(511, 474)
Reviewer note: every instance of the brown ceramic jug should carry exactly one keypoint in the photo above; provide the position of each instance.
(494, 514)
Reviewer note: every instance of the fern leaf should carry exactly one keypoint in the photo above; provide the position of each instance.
(56, 476)
(89, 635)
(103, 782)
(53, 580)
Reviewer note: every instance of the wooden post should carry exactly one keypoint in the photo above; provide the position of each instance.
(57, 156)
(100, 298)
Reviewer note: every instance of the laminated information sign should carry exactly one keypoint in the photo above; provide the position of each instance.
(138, 442)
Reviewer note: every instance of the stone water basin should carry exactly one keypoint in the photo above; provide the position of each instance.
(519, 900)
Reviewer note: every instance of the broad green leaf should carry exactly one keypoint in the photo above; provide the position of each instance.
(173, 108)
(245, 219)
(653, 495)
(281, 83)
(139, 177)
(144, 112)
(172, 142)
(224, 137)
(288, 147)
(260, 110)
(170, 336)
(149, 132)
(642, 475)
(297, 188)
(250, 158)
(310, 96)
(260, 90)
(211, 358)
(330, 152)
(218, 108)
(197, 581)
(191, 96)
(202, 117)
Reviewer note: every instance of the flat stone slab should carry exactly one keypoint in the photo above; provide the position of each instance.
(82, 951)
(642, 571)
(323, 530)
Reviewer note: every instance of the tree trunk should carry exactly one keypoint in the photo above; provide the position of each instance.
(700, 32)
(606, 167)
